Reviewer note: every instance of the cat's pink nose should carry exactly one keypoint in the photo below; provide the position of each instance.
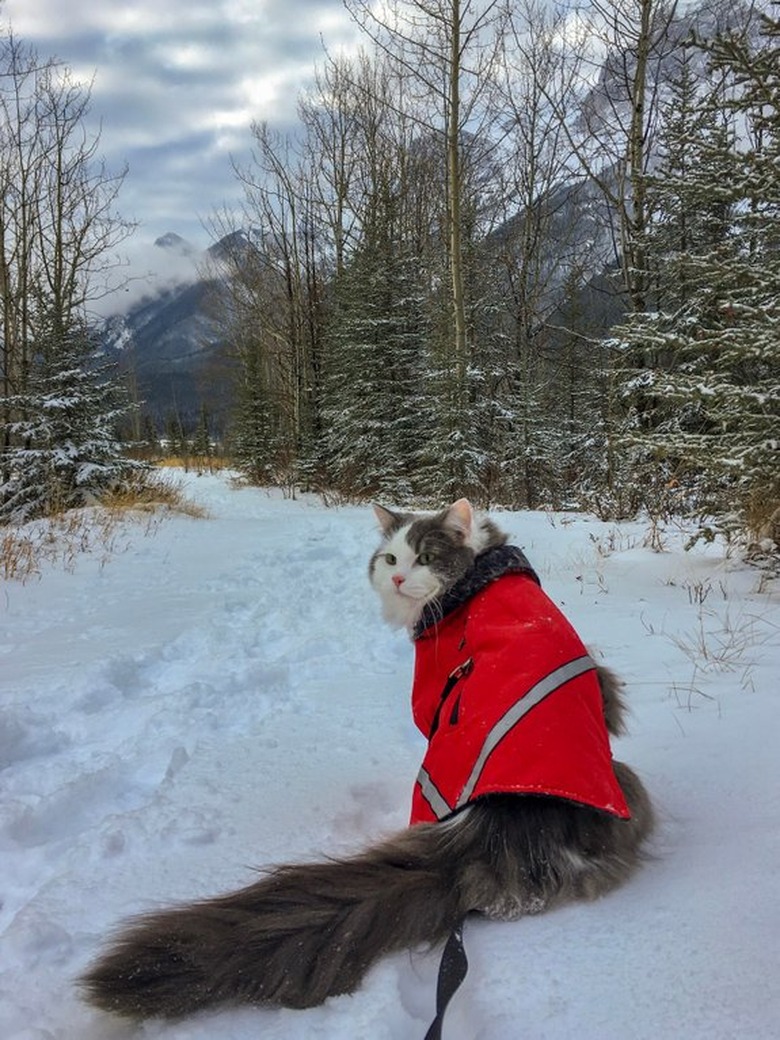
(398, 580)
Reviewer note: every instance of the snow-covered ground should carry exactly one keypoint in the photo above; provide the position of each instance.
(224, 695)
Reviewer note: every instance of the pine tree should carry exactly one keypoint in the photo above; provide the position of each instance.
(151, 439)
(700, 375)
(63, 449)
(574, 443)
(376, 413)
(201, 442)
(175, 437)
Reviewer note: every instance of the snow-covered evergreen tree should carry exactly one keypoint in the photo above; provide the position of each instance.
(575, 404)
(700, 374)
(61, 445)
(253, 443)
(377, 415)
(201, 441)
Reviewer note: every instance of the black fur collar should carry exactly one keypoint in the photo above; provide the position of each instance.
(489, 565)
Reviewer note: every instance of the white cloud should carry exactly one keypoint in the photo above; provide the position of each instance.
(177, 84)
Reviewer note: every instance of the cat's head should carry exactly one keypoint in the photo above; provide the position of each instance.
(422, 556)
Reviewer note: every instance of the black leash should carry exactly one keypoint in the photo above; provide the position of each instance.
(452, 971)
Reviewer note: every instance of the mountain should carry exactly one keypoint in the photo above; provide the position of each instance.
(170, 343)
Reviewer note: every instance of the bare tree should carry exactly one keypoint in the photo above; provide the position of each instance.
(543, 248)
(273, 279)
(57, 220)
(447, 51)
(353, 174)
(621, 47)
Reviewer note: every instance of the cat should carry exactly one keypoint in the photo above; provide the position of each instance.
(499, 845)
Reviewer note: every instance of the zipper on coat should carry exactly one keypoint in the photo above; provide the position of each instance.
(452, 680)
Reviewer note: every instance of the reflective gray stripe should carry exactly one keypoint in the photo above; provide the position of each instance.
(432, 795)
(512, 716)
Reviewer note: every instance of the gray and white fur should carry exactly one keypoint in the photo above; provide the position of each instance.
(303, 933)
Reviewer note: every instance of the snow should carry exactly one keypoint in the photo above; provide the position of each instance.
(223, 695)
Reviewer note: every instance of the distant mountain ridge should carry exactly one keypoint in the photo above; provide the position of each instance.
(170, 343)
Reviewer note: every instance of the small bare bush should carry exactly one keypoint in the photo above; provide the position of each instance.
(615, 540)
(720, 641)
(103, 529)
(150, 491)
(18, 556)
(57, 540)
(762, 518)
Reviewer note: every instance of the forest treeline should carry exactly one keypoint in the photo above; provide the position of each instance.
(521, 253)
(524, 252)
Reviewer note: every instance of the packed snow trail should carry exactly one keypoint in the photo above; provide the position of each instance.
(223, 695)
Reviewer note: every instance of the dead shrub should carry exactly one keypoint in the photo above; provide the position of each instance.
(102, 529)
(151, 490)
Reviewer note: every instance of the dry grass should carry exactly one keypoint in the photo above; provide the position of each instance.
(194, 463)
(722, 640)
(102, 530)
(19, 555)
(762, 517)
(58, 540)
(151, 491)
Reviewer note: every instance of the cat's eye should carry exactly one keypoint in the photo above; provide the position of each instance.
(390, 559)
(425, 558)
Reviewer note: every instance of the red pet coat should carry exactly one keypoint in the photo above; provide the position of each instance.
(507, 697)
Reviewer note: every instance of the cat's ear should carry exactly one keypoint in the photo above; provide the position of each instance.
(388, 520)
(460, 518)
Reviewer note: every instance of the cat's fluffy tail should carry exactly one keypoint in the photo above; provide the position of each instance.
(300, 934)
(304, 933)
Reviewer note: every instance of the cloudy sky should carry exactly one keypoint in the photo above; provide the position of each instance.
(177, 84)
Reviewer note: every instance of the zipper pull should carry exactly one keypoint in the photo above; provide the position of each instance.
(461, 671)
(452, 679)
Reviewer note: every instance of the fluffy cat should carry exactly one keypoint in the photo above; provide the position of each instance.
(497, 843)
